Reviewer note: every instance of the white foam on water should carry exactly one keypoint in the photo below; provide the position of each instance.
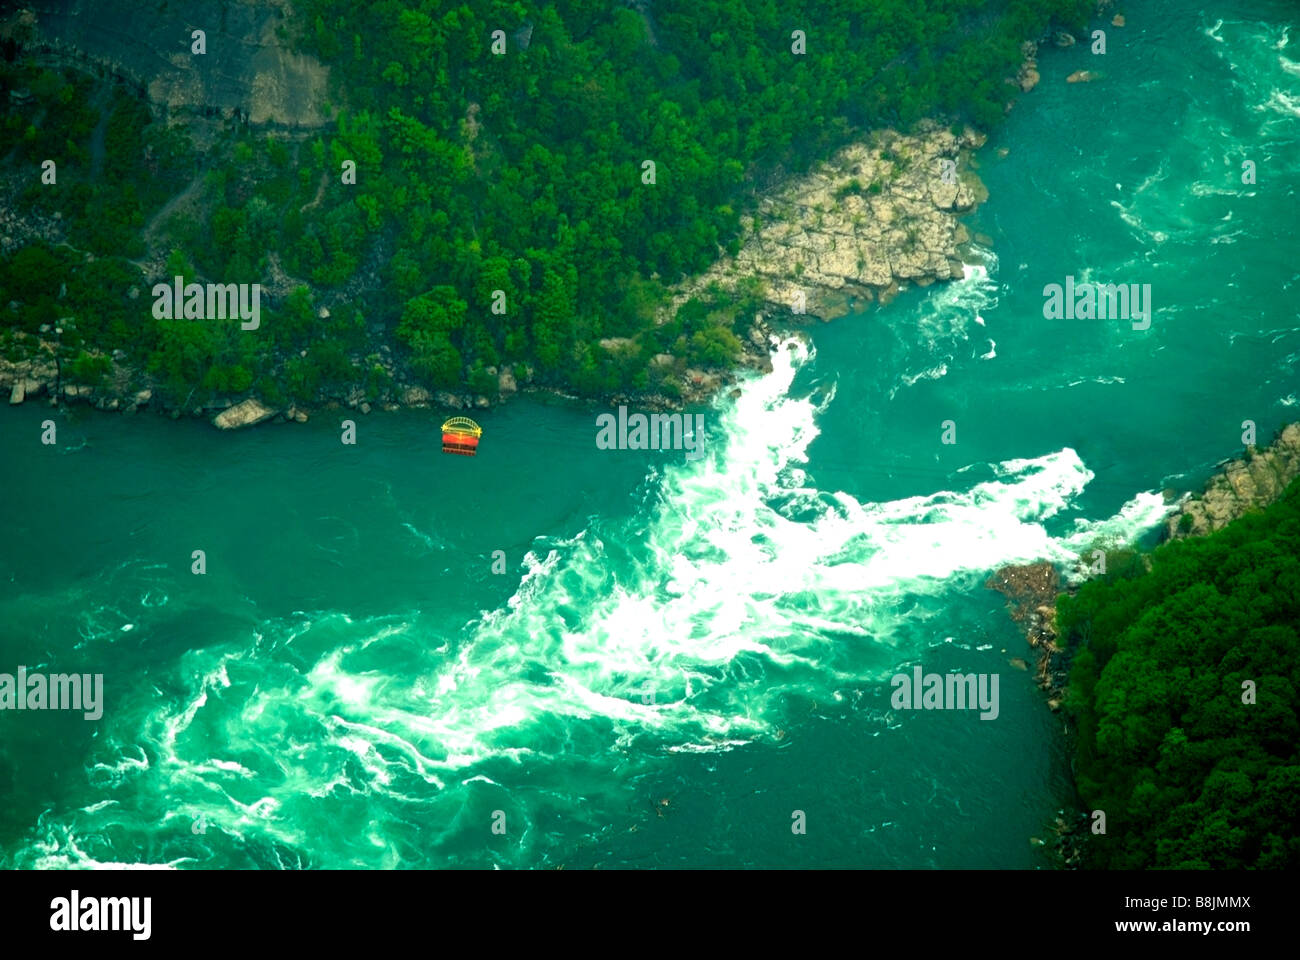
(739, 584)
(933, 373)
(940, 322)
(1104, 381)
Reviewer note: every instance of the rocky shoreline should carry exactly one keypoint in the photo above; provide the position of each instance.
(127, 389)
(1033, 590)
(879, 215)
(1249, 483)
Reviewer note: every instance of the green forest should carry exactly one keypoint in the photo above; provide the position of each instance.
(1189, 774)
(476, 171)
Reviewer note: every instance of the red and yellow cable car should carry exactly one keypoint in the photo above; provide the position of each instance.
(460, 435)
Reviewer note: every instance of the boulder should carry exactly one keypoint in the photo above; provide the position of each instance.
(1081, 76)
(18, 392)
(415, 397)
(506, 382)
(243, 414)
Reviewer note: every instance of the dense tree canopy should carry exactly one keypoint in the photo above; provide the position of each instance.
(1188, 774)
(523, 172)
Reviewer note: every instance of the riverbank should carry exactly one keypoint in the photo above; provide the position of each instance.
(1241, 486)
(878, 216)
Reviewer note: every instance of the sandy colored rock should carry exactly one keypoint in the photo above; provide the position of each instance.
(243, 414)
(878, 212)
(1249, 483)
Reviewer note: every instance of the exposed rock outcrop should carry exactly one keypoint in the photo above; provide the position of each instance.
(1032, 590)
(877, 214)
(1250, 483)
(249, 67)
(415, 397)
(1028, 76)
(28, 378)
(243, 414)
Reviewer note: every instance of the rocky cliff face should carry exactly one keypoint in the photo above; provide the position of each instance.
(248, 68)
(1250, 483)
(879, 213)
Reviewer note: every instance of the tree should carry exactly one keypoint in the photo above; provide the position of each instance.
(553, 318)
(1191, 774)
